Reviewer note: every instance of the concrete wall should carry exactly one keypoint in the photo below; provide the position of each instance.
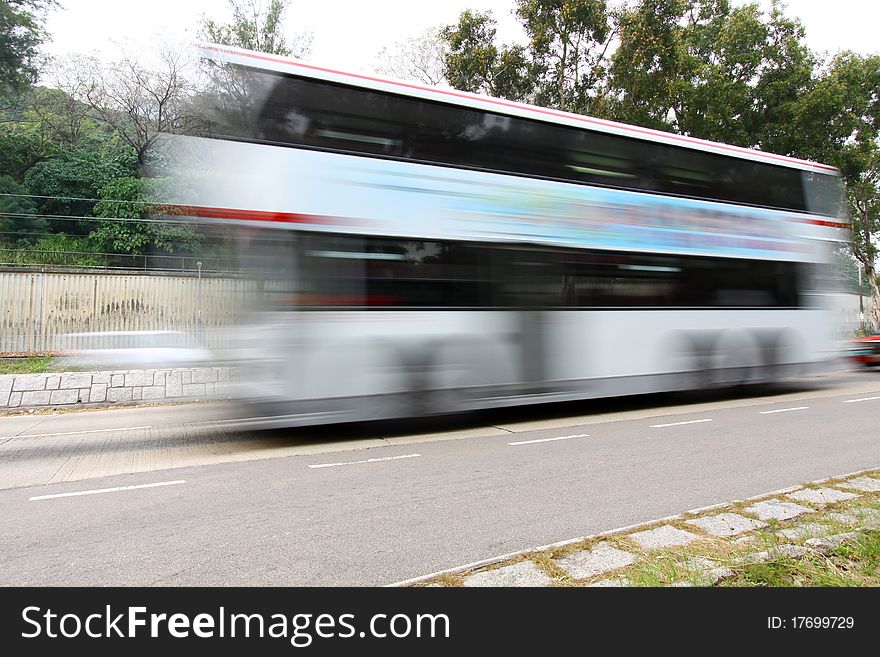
(67, 389)
(37, 307)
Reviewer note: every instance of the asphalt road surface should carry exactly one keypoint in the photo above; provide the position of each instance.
(193, 504)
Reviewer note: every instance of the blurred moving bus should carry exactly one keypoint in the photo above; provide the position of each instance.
(423, 250)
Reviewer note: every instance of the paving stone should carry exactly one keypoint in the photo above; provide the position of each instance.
(25, 382)
(117, 380)
(53, 382)
(15, 399)
(870, 518)
(5, 389)
(98, 392)
(821, 495)
(726, 524)
(785, 550)
(207, 375)
(193, 389)
(605, 583)
(846, 518)
(662, 537)
(76, 380)
(524, 573)
(64, 396)
(100, 377)
(139, 378)
(778, 509)
(714, 576)
(863, 518)
(119, 394)
(173, 385)
(804, 531)
(827, 543)
(600, 559)
(699, 563)
(865, 484)
(745, 540)
(153, 392)
(35, 397)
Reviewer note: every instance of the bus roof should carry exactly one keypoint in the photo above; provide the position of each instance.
(278, 63)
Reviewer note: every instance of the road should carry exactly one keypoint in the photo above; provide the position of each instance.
(375, 504)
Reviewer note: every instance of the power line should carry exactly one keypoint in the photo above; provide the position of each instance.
(78, 198)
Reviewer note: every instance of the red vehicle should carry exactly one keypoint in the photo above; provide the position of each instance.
(866, 350)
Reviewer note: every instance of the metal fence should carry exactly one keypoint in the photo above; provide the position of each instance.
(37, 307)
(34, 258)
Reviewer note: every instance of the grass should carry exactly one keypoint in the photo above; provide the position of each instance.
(855, 563)
(26, 365)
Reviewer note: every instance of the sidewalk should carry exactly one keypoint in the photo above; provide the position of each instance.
(823, 533)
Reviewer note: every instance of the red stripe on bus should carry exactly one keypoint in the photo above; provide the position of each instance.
(300, 218)
(253, 215)
(540, 110)
(829, 224)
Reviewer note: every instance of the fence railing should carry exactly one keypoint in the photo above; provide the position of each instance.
(36, 308)
(29, 258)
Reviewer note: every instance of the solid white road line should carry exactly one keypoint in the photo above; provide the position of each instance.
(677, 424)
(784, 410)
(384, 458)
(850, 401)
(72, 433)
(547, 440)
(106, 490)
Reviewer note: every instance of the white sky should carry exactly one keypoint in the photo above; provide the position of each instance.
(348, 34)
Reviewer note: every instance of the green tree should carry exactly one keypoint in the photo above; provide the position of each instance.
(19, 222)
(128, 224)
(707, 69)
(70, 182)
(569, 41)
(256, 26)
(21, 33)
(474, 63)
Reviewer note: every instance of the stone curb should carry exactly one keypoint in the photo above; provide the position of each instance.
(60, 390)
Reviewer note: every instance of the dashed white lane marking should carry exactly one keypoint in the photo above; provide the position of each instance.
(677, 424)
(784, 410)
(850, 401)
(95, 491)
(384, 458)
(72, 433)
(547, 440)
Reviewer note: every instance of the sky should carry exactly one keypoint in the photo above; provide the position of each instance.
(349, 34)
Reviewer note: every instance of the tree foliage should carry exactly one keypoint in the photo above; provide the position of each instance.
(475, 63)
(257, 25)
(569, 41)
(136, 102)
(19, 222)
(21, 33)
(129, 226)
(420, 58)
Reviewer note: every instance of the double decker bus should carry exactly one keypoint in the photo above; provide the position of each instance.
(424, 250)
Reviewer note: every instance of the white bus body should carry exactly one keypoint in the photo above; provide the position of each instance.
(401, 287)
